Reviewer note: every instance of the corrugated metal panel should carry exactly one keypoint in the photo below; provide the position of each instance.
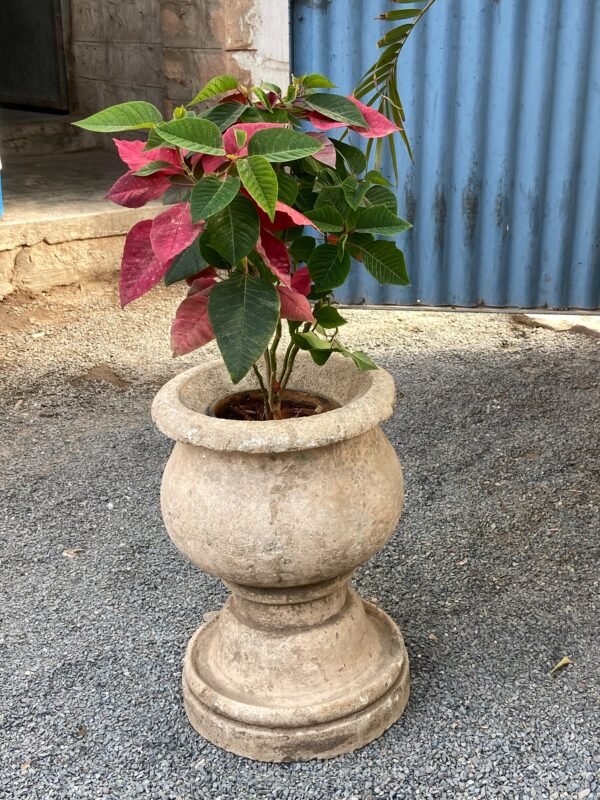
(503, 110)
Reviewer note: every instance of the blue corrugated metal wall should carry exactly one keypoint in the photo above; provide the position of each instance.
(503, 110)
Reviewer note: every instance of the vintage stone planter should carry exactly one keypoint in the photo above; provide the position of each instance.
(296, 665)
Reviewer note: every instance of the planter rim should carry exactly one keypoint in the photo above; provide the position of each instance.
(371, 402)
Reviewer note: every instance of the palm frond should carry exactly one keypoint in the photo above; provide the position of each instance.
(378, 87)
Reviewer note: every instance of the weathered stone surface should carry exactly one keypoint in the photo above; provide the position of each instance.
(87, 24)
(7, 268)
(187, 70)
(45, 265)
(573, 323)
(189, 23)
(132, 20)
(116, 46)
(296, 665)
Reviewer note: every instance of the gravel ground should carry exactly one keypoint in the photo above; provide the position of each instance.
(493, 575)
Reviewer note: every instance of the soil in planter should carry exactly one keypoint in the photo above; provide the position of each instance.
(249, 406)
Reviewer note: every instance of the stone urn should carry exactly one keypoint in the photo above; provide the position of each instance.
(296, 665)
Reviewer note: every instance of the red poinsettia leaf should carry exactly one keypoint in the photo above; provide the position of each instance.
(301, 280)
(209, 272)
(378, 124)
(234, 97)
(134, 191)
(321, 122)
(212, 163)
(249, 128)
(134, 155)
(205, 280)
(191, 327)
(294, 305)
(327, 154)
(173, 231)
(140, 268)
(287, 217)
(275, 255)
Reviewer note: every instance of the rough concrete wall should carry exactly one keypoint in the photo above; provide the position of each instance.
(117, 52)
(203, 38)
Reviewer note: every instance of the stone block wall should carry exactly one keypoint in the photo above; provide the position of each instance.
(164, 50)
(202, 38)
(116, 52)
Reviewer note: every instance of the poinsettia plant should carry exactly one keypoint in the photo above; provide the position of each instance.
(266, 211)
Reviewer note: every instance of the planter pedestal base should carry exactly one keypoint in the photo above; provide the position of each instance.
(297, 673)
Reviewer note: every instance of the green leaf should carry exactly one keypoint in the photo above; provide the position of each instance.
(153, 140)
(215, 86)
(381, 196)
(354, 191)
(362, 361)
(383, 260)
(338, 108)
(234, 231)
(211, 195)
(302, 247)
(375, 176)
(316, 81)
(326, 268)
(209, 254)
(262, 97)
(176, 194)
(252, 114)
(122, 117)
(327, 218)
(310, 341)
(354, 158)
(288, 189)
(282, 144)
(197, 135)
(152, 167)
(260, 180)
(320, 357)
(224, 114)
(333, 197)
(243, 312)
(379, 219)
(186, 265)
(329, 317)
(271, 87)
(241, 137)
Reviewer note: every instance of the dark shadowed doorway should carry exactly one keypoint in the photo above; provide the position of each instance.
(32, 55)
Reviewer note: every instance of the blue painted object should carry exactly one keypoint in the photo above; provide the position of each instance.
(502, 99)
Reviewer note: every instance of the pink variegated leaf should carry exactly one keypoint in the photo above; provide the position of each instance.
(134, 191)
(134, 155)
(294, 305)
(327, 154)
(301, 281)
(140, 268)
(173, 231)
(321, 122)
(378, 124)
(191, 327)
(275, 255)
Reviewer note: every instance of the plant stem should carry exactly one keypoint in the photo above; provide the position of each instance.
(263, 388)
(290, 357)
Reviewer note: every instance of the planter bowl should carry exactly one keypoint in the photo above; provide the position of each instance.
(296, 665)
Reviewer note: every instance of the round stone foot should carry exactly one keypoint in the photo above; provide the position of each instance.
(301, 692)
